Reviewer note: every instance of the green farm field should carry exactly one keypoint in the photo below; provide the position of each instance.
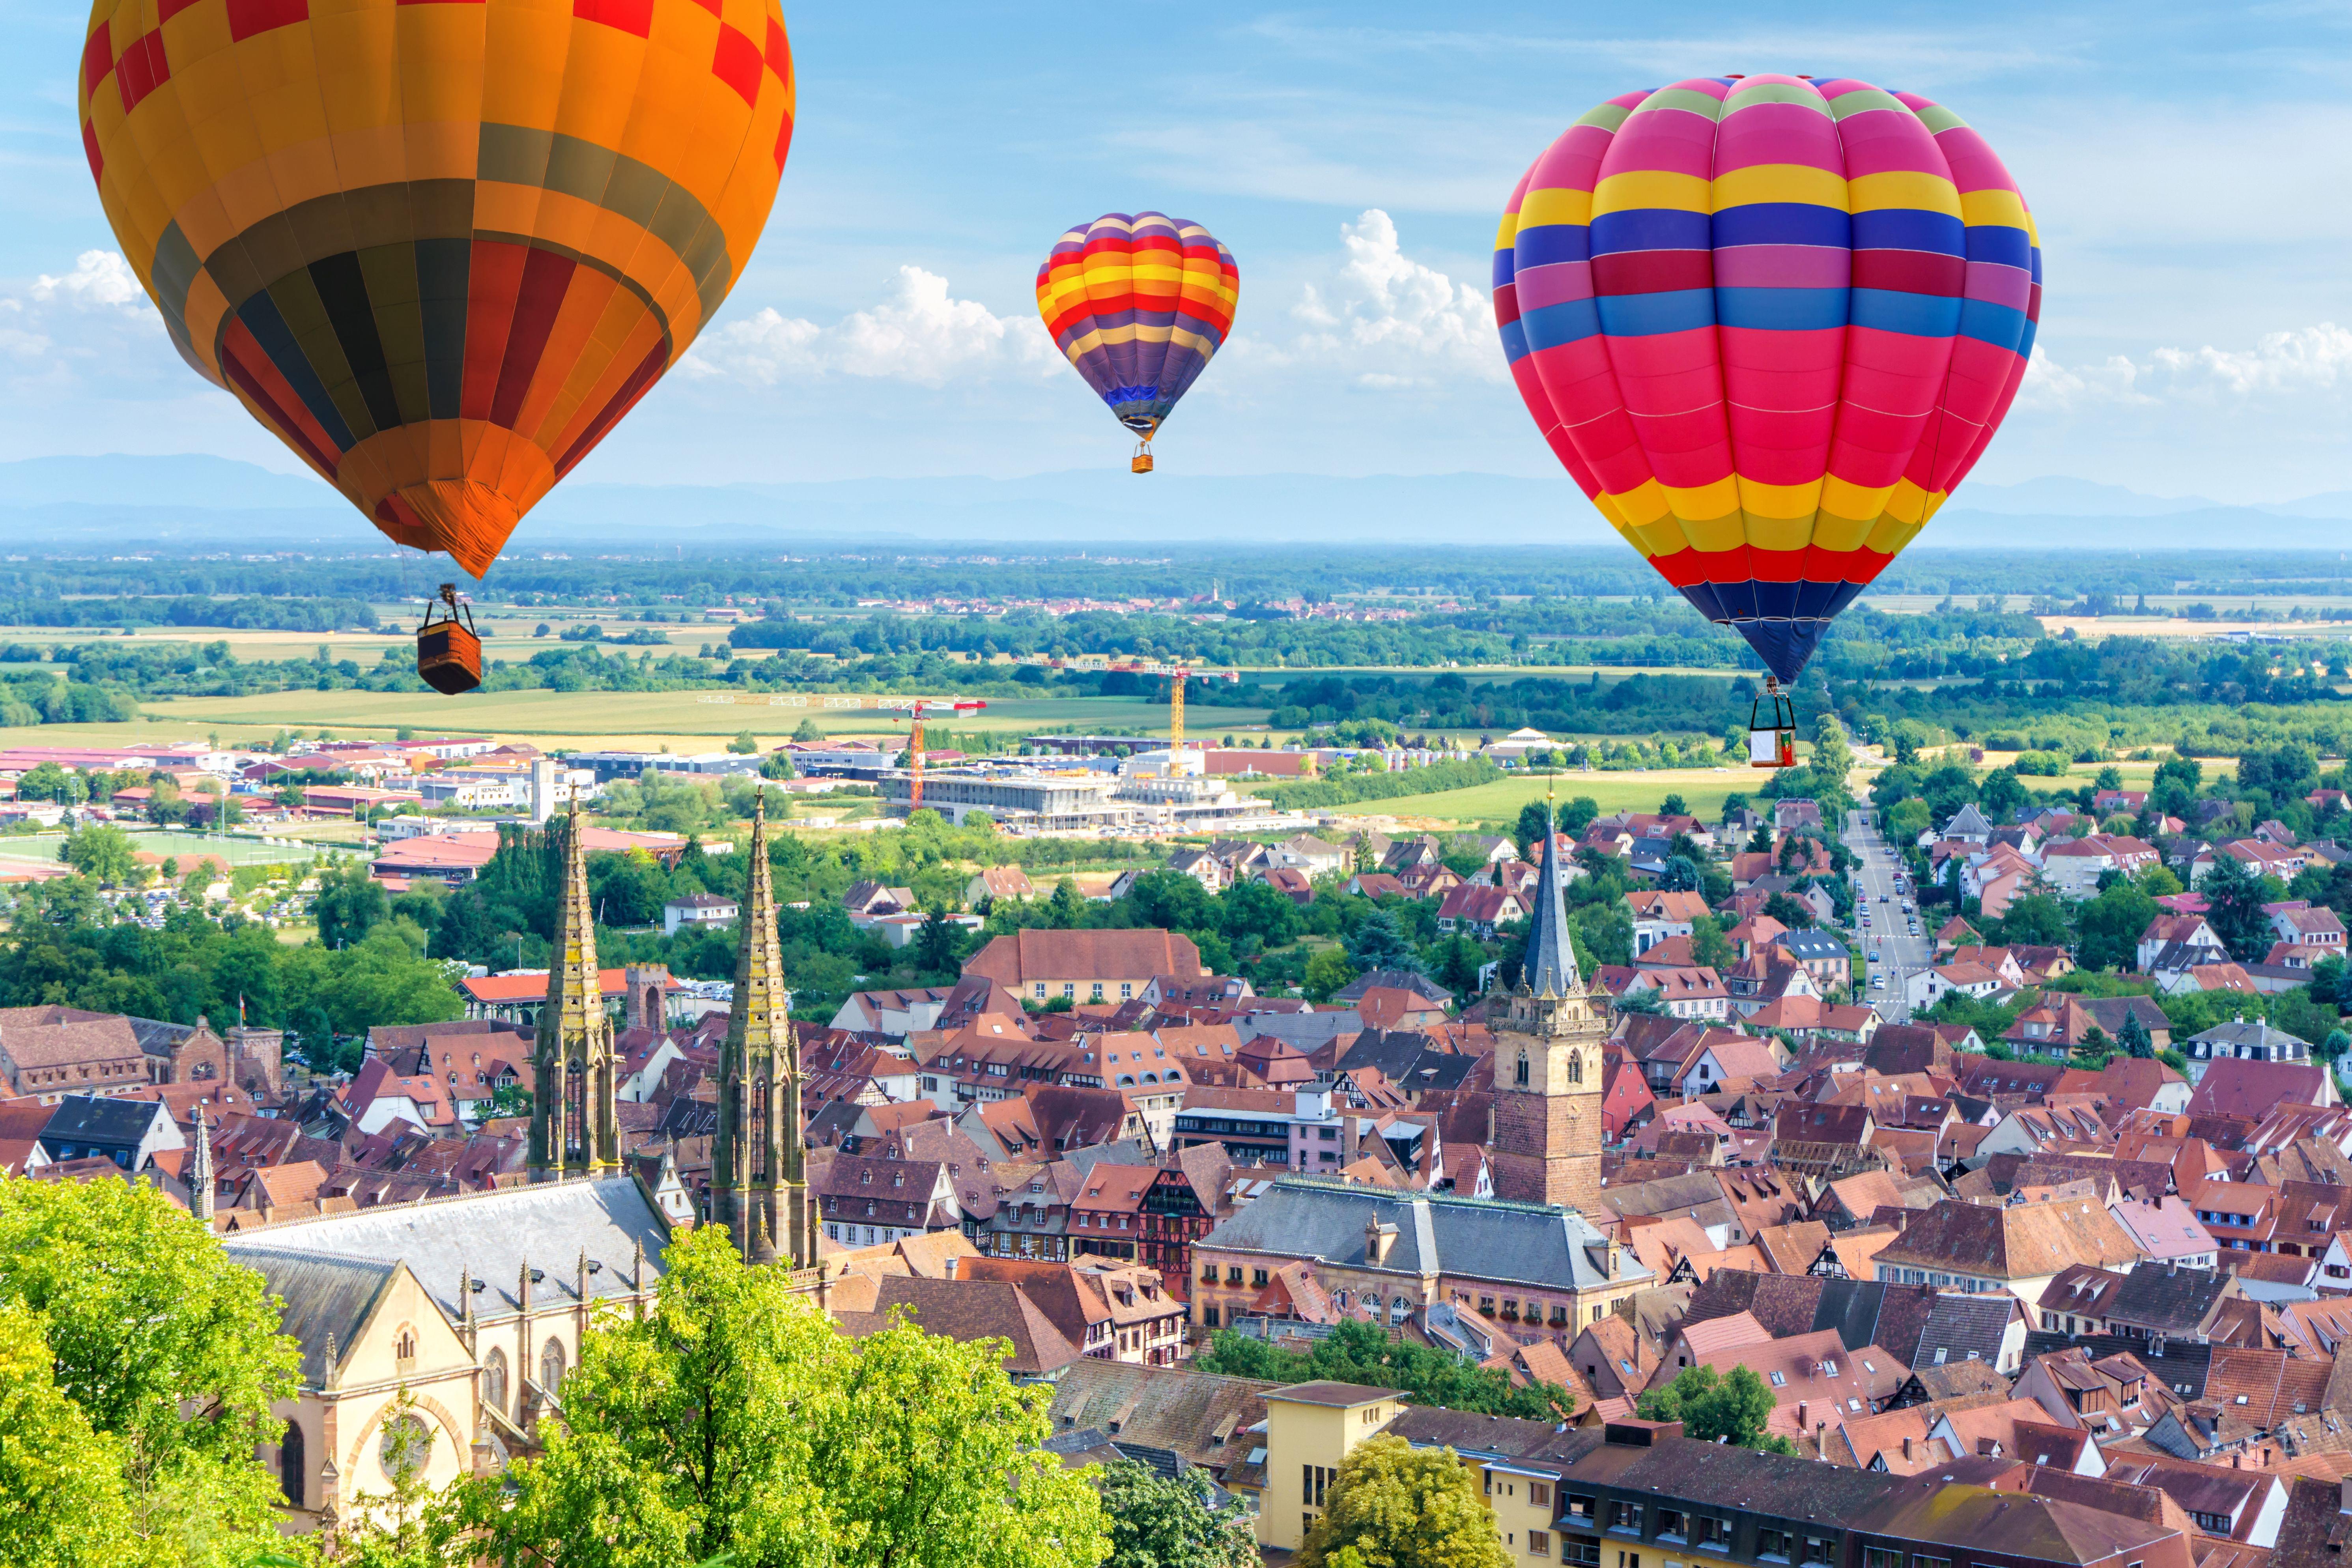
(591, 720)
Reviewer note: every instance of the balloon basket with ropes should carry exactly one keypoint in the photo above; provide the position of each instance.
(448, 649)
(1772, 729)
(1141, 462)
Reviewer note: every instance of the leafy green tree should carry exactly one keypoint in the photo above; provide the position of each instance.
(1681, 876)
(1577, 815)
(62, 1503)
(100, 852)
(169, 1352)
(1709, 948)
(935, 944)
(1165, 1522)
(1728, 1408)
(2036, 919)
(733, 1419)
(2108, 927)
(1395, 1506)
(1357, 1351)
(744, 744)
(1255, 909)
(1327, 971)
(808, 734)
(2234, 897)
(1788, 911)
(349, 904)
(1644, 1000)
(1832, 762)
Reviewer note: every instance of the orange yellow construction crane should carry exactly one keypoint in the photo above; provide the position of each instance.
(916, 709)
(1177, 673)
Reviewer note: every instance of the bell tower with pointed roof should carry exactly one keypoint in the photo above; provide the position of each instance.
(1549, 1055)
(574, 1126)
(758, 1188)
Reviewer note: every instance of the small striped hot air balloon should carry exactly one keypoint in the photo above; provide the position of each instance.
(1140, 304)
(438, 250)
(1767, 323)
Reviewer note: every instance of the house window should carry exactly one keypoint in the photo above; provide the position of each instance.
(1257, 1278)
(1538, 1543)
(1772, 1544)
(1623, 1515)
(1819, 1548)
(1209, 1316)
(1126, 990)
(1670, 1524)
(1712, 1531)
(1540, 1494)
(1881, 1557)
(1581, 1552)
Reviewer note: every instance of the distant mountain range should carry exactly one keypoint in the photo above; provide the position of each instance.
(193, 502)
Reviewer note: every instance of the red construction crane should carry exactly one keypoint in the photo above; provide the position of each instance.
(916, 709)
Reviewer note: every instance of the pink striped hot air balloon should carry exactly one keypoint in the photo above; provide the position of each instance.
(1767, 323)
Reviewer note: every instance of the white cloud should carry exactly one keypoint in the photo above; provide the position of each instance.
(1386, 321)
(2311, 359)
(99, 278)
(921, 333)
(71, 325)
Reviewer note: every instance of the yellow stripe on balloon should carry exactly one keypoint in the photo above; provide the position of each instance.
(1649, 190)
(1717, 498)
(1555, 204)
(1779, 500)
(1642, 505)
(1506, 233)
(1780, 182)
(1777, 532)
(1714, 536)
(1846, 498)
(1908, 502)
(1903, 188)
(2006, 208)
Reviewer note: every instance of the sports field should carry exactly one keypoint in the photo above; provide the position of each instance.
(236, 850)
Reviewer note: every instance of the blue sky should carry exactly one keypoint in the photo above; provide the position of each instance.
(2188, 165)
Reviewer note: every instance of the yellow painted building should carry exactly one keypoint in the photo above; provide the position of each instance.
(1312, 1426)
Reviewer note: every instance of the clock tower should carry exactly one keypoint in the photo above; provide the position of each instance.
(1549, 1054)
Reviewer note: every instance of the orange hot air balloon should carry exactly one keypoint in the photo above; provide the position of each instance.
(438, 247)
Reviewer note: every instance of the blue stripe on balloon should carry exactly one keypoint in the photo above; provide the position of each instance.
(2000, 325)
(1914, 315)
(1570, 321)
(1780, 309)
(1515, 342)
(1648, 229)
(1649, 315)
(1782, 223)
(1550, 243)
(1506, 266)
(2000, 244)
(1910, 229)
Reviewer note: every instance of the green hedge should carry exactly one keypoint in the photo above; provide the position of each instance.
(1383, 786)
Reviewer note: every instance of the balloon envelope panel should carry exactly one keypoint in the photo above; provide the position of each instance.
(1140, 304)
(438, 247)
(1768, 324)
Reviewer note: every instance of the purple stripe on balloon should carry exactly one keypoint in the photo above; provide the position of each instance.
(1783, 266)
(1560, 283)
(2009, 286)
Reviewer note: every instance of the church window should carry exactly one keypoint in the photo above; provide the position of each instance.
(292, 1471)
(494, 1379)
(406, 1447)
(1521, 1076)
(1575, 1067)
(551, 1366)
(404, 1348)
